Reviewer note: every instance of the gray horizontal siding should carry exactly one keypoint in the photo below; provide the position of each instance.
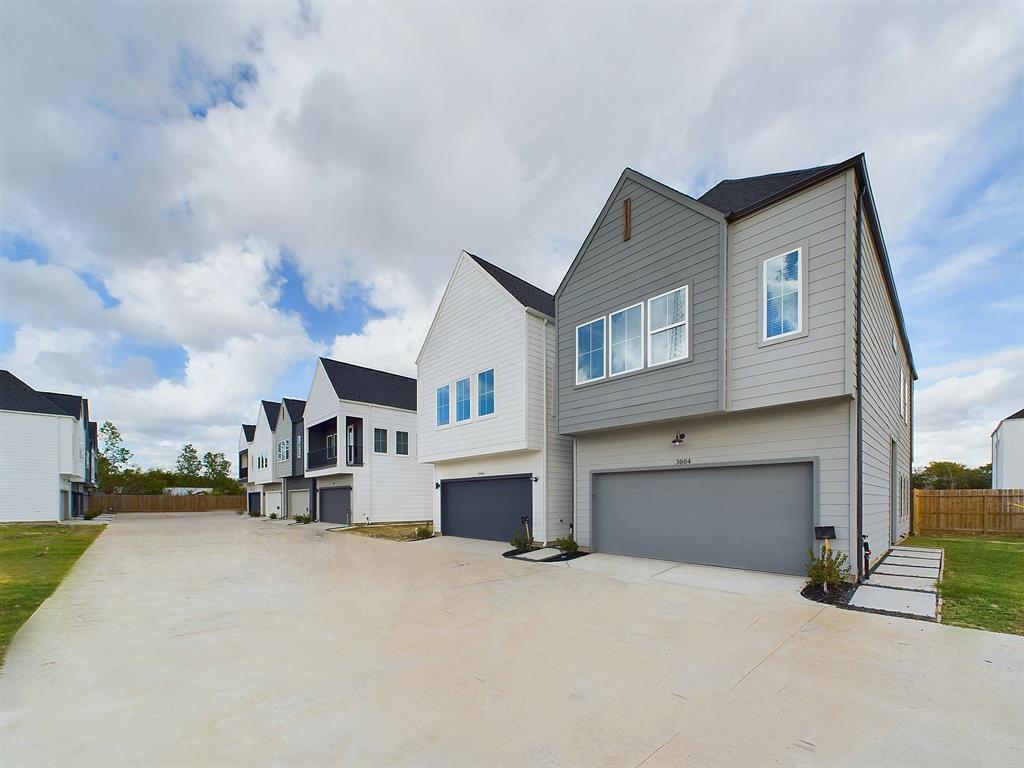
(671, 245)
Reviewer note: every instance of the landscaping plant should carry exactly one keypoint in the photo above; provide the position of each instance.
(254, 513)
(273, 515)
(422, 532)
(568, 545)
(521, 539)
(301, 519)
(829, 569)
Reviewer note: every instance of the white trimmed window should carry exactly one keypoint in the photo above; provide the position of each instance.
(626, 344)
(380, 440)
(462, 405)
(442, 406)
(402, 443)
(332, 445)
(668, 335)
(782, 295)
(590, 351)
(485, 392)
(284, 449)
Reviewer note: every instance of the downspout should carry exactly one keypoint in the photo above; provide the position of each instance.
(862, 550)
(544, 442)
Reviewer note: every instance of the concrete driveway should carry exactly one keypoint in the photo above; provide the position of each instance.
(220, 640)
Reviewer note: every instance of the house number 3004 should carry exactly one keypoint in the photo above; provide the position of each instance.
(684, 461)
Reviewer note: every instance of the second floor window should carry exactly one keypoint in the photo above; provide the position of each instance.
(462, 400)
(590, 351)
(284, 450)
(485, 392)
(402, 443)
(781, 297)
(626, 344)
(298, 444)
(442, 406)
(667, 330)
(380, 441)
(332, 446)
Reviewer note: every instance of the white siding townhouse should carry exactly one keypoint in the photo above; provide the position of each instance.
(361, 444)
(1008, 452)
(245, 439)
(263, 468)
(48, 452)
(735, 372)
(486, 421)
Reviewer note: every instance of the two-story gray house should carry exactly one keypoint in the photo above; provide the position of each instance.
(735, 371)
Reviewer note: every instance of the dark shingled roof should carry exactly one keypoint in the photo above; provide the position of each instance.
(295, 408)
(70, 404)
(250, 432)
(368, 385)
(273, 411)
(16, 395)
(732, 195)
(1018, 415)
(525, 293)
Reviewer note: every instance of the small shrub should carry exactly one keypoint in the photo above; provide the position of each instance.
(422, 532)
(521, 539)
(273, 515)
(92, 515)
(828, 569)
(568, 545)
(303, 519)
(254, 513)
(240, 512)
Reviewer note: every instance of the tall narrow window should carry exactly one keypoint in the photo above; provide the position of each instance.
(485, 392)
(402, 443)
(590, 351)
(626, 344)
(380, 441)
(668, 335)
(781, 297)
(332, 445)
(462, 400)
(442, 406)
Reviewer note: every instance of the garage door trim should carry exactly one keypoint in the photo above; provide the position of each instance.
(527, 476)
(812, 460)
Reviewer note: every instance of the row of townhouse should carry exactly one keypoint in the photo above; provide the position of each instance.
(48, 453)
(718, 380)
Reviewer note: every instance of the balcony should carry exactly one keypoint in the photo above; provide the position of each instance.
(354, 455)
(243, 474)
(322, 457)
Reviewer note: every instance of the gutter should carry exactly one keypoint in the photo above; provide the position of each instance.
(861, 567)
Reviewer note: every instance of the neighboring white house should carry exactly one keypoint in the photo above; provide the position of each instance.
(1008, 452)
(47, 451)
(252, 493)
(361, 443)
(262, 466)
(486, 385)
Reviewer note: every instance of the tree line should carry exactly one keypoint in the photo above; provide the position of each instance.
(949, 475)
(117, 474)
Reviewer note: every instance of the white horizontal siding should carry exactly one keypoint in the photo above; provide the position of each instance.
(262, 445)
(399, 486)
(30, 448)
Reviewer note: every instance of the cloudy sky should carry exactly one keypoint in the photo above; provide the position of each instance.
(198, 199)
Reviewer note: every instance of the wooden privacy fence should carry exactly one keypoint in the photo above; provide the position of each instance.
(99, 502)
(968, 511)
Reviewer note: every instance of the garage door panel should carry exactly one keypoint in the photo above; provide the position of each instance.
(756, 517)
(485, 508)
(335, 505)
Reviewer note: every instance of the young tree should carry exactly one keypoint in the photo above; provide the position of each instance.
(215, 465)
(188, 463)
(112, 447)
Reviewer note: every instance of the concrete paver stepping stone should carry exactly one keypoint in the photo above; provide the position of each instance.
(907, 570)
(906, 582)
(895, 601)
(935, 554)
(922, 561)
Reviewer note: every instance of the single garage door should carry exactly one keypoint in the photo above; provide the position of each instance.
(336, 505)
(254, 503)
(757, 517)
(298, 503)
(486, 508)
(273, 504)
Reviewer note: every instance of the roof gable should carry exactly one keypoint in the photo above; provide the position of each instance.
(525, 293)
(368, 385)
(249, 431)
(294, 407)
(732, 195)
(273, 410)
(16, 395)
(70, 404)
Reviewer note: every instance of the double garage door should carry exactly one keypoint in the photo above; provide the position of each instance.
(756, 517)
(486, 508)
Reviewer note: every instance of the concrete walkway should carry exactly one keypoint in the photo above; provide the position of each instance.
(904, 582)
(219, 640)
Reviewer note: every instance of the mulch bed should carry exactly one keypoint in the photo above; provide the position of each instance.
(561, 557)
(839, 595)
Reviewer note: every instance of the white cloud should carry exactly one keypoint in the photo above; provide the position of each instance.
(47, 295)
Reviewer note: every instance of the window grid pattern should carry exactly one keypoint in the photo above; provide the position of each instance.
(380, 440)
(485, 393)
(442, 406)
(462, 404)
(627, 340)
(590, 351)
(667, 329)
(782, 289)
(402, 443)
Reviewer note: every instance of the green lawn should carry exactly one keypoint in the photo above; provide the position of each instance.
(983, 582)
(34, 558)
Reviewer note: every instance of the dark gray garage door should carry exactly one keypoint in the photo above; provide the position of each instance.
(336, 505)
(254, 502)
(486, 508)
(757, 517)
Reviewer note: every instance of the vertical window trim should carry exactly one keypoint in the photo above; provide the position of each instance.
(469, 400)
(375, 431)
(448, 406)
(494, 394)
(762, 315)
(686, 322)
(643, 340)
(604, 350)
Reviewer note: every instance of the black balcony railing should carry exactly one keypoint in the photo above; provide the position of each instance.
(354, 455)
(322, 457)
(243, 474)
